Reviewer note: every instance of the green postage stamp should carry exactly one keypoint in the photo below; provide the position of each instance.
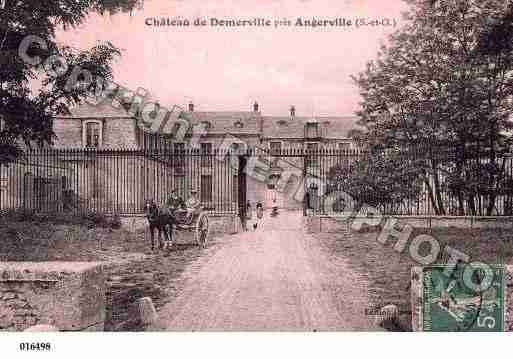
(463, 297)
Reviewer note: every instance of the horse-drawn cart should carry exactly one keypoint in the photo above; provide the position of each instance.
(198, 225)
(166, 221)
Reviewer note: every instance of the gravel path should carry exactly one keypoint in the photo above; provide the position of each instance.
(275, 278)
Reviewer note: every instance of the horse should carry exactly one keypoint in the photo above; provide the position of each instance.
(162, 220)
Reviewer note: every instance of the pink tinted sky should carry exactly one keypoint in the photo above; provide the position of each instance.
(228, 68)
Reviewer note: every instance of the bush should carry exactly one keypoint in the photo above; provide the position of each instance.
(95, 219)
(115, 221)
(89, 219)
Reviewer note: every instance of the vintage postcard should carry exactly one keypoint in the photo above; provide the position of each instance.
(255, 166)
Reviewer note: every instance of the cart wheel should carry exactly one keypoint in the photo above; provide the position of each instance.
(202, 230)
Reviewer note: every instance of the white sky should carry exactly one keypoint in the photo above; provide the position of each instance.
(227, 68)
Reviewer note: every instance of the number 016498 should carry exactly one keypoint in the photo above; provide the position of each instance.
(35, 346)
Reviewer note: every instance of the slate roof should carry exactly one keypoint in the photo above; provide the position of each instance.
(236, 122)
(103, 110)
(333, 127)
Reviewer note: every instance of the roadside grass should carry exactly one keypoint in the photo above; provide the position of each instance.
(44, 241)
(387, 272)
(132, 270)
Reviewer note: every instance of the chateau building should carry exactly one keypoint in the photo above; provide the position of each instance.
(108, 127)
(105, 126)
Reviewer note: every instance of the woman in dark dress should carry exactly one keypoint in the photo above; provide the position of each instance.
(259, 210)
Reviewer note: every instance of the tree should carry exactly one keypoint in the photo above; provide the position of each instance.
(498, 37)
(26, 111)
(388, 182)
(431, 92)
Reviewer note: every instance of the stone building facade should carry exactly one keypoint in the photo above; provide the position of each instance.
(34, 183)
(107, 127)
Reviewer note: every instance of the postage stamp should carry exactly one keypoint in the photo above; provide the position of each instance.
(451, 303)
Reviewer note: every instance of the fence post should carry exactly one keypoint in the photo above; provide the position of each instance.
(242, 188)
(305, 190)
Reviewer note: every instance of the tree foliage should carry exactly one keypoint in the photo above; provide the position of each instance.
(434, 92)
(498, 37)
(26, 109)
(386, 182)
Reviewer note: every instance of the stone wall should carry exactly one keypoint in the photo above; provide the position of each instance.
(68, 132)
(331, 224)
(320, 224)
(119, 133)
(68, 295)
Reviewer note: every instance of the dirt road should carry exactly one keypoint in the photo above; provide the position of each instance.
(274, 278)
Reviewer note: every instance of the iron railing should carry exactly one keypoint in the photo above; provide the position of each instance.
(122, 180)
(116, 181)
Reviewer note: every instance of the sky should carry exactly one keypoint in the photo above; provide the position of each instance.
(227, 69)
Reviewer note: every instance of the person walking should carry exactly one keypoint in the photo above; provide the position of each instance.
(259, 214)
(259, 210)
(249, 213)
(274, 211)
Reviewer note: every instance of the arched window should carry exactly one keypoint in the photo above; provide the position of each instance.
(92, 133)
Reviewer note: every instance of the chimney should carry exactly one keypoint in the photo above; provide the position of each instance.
(191, 107)
(255, 107)
(292, 111)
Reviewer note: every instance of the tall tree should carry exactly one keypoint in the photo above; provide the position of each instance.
(431, 91)
(390, 182)
(26, 111)
(499, 36)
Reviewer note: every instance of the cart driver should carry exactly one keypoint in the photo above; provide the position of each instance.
(193, 205)
(174, 202)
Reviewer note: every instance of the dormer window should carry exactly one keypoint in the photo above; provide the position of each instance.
(92, 133)
(312, 130)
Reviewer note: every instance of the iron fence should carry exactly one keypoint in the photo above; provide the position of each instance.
(415, 182)
(122, 180)
(116, 181)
